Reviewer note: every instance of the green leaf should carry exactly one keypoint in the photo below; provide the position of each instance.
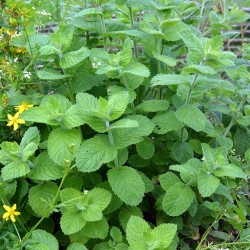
(76, 246)
(72, 222)
(100, 197)
(125, 215)
(31, 135)
(15, 169)
(169, 61)
(241, 141)
(194, 45)
(169, 79)
(127, 184)
(123, 123)
(8, 152)
(207, 183)
(182, 151)
(72, 58)
(45, 169)
(126, 53)
(137, 69)
(197, 69)
(96, 229)
(168, 179)
(230, 170)
(166, 122)
(117, 104)
(41, 197)
(177, 199)
(48, 52)
(41, 240)
(136, 229)
(62, 144)
(93, 153)
(116, 234)
(192, 117)
(145, 148)
(127, 136)
(72, 118)
(164, 234)
(153, 106)
(51, 74)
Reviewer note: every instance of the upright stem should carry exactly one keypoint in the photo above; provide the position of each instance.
(111, 140)
(234, 116)
(132, 26)
(52, 205)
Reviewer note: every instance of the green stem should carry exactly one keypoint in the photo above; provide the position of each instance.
(17, 231)
(52, 205)
(103, 31)
(111, 140)
(204, 236)
(132, 26)
(227, 244)
(235, 114)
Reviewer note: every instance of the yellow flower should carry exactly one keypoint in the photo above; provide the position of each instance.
(10, 212)
(23, 107)
(14, 120)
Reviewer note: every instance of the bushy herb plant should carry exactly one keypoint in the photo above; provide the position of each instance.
(124, 125)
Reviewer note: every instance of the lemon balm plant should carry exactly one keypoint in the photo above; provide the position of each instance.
(126, 128)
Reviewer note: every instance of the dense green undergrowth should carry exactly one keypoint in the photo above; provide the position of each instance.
(126, 128)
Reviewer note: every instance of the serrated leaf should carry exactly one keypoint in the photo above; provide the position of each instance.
(72, 222)
(230, 170)
(166, 122)
(145, 148)
(164, 234)
(51, 74)
(197, 69)
(136, 228)
(137, 69)
(127, 136)
(118, 103)
(41, 197)
(31, 135)
(93, 153)
(72, 118)
(96, 229)
(45, 169)
(177, 199)
(167, 180)
(100, 197)
(126, 53)
(76, 246)
(127, 184)
(169, 61)
(182, 151)
(123, 123)
(62, 144)
(45, 240)
(169, 79)
(72, 58)
(192, 117)
(125, 215)
(207, 183)
(153, 106)
(15, 169)
(7, 154)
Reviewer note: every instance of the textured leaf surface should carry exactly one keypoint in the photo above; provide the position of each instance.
(177, 199)
(153, 106)
(50, 74)
(45, 169)
(45, 240)
(169, 79)
(15, 169)
(76, 246)
(127, 184)
(192, 117)
(97, 229)
(93, 153)
(41, 197)
(207, 183)
(61, 144)
(72, 58)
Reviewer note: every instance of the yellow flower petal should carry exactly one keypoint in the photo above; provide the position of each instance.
(17, 213)
(10, 123)
(15, 125)
(14, 207)
(16, 116)
(6, 215)
(7, 208)
(12, 217)
(10, 117)
(20, 121)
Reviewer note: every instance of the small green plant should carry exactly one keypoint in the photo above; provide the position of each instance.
(125, 128)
